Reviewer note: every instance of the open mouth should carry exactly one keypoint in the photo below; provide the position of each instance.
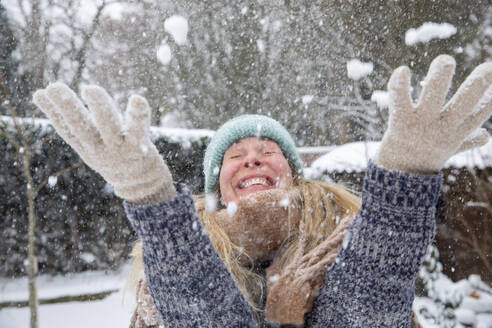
(255, 181)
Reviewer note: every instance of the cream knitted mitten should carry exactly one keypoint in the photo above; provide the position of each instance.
(422, 136)
(115, 145)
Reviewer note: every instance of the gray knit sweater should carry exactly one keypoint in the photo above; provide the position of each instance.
(370, 284)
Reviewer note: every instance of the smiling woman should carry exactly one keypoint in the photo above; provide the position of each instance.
(253, 164)
(252, 167)
(278, 248)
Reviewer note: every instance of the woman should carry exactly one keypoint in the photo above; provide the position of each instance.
(258, 243)
(216, 280)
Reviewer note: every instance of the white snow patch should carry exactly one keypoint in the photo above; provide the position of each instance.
(381, 98)
(49, 286)
(52, 181)
(357, 69)
(231, 209)
(353, 157)
(346, 240)
(470, 300)
(177, 26)
(258, 129)
(175, 135)
(116, 10)
(164, 53)
(349, 157)
(317, 150)
(194, 225)
(307, 99)
(174, 118)
(85, 13)
(277, 25)
(108, 188)
(144, 148)
(180, 135)
(477, 204)
(429, 31)
(284, 202)
(210, 202)
(474, 158)
(112, 311)
(274, 278)
(41, 123)
(261, 45)
(451, 178)
(481, 304)
(87, 257)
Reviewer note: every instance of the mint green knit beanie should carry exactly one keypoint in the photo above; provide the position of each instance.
(241, 127)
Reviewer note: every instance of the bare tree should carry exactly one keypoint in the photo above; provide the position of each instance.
(55, 37)
(54, 45)
(19, 132)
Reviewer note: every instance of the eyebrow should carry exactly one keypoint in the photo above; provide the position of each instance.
(261, 138)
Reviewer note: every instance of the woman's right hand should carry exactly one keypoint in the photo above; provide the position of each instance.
(115, 145)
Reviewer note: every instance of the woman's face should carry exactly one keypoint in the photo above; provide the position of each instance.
(253, 164)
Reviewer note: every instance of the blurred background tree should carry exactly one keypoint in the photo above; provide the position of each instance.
(287, 59)
(11, 82)
(282, 58)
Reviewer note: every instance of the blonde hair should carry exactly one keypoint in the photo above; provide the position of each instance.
(322, 204)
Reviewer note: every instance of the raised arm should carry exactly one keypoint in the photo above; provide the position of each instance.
(371, 283)
(189, 284)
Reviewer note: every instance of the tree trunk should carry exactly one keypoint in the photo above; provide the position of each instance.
(31, 257)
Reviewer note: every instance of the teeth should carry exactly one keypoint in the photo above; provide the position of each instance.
(255, 181)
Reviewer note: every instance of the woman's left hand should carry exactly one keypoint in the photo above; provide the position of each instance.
(421, 137)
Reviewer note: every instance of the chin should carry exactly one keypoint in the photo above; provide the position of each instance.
(255, 190)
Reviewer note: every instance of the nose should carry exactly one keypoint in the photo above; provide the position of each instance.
(250, 164)
(252, 159)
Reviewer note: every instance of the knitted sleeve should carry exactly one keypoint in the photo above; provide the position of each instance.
(371, 282)
(189, 283)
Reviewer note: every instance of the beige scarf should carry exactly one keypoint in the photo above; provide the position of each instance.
(262, 223)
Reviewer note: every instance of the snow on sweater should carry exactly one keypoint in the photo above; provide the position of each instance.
(370, 283)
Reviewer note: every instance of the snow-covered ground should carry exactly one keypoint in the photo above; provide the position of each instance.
(113, 311)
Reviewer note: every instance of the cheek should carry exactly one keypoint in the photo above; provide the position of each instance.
(285, 173)
(227, 172)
